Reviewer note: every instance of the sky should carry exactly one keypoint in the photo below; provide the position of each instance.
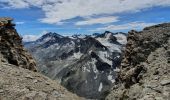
(34, 18)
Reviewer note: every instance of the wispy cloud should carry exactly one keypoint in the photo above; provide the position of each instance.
(132, 25)
(101, 20)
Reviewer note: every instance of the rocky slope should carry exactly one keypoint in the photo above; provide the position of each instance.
(85, 65)
(17, 79)
(20, 84)
(145, 69)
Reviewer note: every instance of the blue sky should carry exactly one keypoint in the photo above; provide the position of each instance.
(67, 17)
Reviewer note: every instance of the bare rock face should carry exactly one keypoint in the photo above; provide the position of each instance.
(145, 68)
(12, 51)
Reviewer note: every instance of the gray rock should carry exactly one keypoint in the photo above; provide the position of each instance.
(150, 79)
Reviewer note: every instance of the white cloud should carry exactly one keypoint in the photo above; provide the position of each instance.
(101, 20)
(17, 4)
(28, 38)
(57, 11)
(132, 25)
(84, 8)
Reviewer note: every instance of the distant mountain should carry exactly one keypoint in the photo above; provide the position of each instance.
(84, 64)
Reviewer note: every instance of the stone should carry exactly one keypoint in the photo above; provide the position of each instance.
(35, 81)
(1, 91)
(29, 76)
(165, 82)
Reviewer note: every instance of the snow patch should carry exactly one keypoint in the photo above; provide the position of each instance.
(84, 69)
(95, 77)
(71, 45)
(104, 56)
(46, 40)
(90, 51)
(77, 55)
(91, 65)
(108, 35)
(100, 87)
(56, 46)
(110, 77)
(117, 70)
(94, 65)
(118, 56)
(81, 36)
(112, 47)
(121, 38)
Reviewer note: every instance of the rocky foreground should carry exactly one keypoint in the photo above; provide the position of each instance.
(145, 69)
(22, 84)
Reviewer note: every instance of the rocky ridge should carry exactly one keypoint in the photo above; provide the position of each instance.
(145, 68)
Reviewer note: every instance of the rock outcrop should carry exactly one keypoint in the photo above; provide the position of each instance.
(12, 51)
(145, 69)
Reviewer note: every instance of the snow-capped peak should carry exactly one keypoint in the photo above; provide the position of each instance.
(121, 38)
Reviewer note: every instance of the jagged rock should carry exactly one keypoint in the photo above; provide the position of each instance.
(145, 71)
(12, 51)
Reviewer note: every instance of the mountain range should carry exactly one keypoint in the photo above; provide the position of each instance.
(84, 64)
